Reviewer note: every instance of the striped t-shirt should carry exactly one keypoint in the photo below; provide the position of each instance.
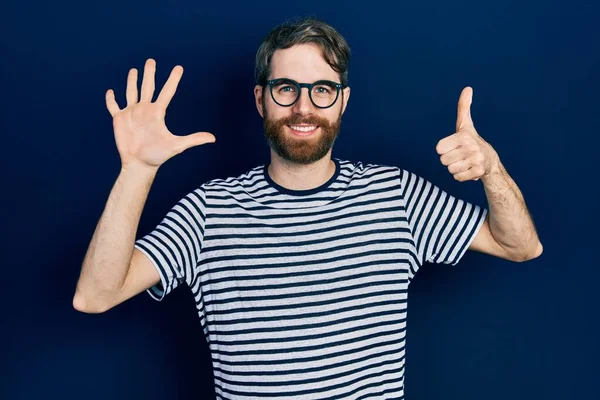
(303, 294)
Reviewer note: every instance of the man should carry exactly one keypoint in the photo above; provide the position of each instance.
(300, 269)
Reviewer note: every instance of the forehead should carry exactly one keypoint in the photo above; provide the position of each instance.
(303, 63)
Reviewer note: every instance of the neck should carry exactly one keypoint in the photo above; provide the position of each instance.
(299, 176)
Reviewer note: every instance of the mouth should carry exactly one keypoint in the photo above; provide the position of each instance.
(303, 129)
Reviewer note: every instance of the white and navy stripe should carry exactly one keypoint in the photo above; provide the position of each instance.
(302, 294)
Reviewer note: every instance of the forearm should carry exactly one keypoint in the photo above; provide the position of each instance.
(510, 222)
(108, 257)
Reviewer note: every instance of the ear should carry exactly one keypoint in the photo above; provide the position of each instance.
(346, 98)
(258, 93)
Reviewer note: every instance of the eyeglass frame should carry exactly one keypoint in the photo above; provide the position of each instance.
(309, 86)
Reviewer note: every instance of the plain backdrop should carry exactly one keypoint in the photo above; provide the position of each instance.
(484, 329)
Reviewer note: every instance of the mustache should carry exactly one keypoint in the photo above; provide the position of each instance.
(297, 120)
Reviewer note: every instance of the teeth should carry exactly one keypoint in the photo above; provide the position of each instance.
(302, 128)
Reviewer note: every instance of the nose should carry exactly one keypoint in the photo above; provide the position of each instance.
(304, 105)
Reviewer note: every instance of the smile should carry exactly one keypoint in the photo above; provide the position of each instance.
(303, 130)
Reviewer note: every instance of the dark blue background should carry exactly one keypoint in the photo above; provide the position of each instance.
(485, 329)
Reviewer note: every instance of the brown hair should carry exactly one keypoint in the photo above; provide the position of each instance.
(303, 30)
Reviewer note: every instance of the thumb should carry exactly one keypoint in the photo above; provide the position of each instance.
(195, 139)
(463, 118)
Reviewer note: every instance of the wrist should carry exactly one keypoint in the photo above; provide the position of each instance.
(139, 170)
(496, 168)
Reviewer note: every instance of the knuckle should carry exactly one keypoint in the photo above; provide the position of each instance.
(465, 137)
(439, 145)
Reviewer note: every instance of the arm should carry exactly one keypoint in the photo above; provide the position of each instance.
(509, 231)
(112, 271)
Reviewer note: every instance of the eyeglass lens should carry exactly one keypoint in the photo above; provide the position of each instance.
(322, 94)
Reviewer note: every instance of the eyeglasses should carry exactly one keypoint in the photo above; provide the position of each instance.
(323, 94)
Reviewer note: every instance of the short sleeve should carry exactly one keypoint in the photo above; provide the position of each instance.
(175, 244)
(442, 225)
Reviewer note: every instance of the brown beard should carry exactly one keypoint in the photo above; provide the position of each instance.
(300, 150)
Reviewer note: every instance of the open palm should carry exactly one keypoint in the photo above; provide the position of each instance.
(141, 134)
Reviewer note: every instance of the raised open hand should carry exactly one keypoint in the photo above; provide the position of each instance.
(140, 131)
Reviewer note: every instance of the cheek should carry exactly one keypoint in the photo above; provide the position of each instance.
(333, 113)
(274, 112)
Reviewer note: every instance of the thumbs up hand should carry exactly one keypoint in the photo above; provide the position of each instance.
(466, 154)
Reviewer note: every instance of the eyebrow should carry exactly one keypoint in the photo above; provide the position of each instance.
(295, 80)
